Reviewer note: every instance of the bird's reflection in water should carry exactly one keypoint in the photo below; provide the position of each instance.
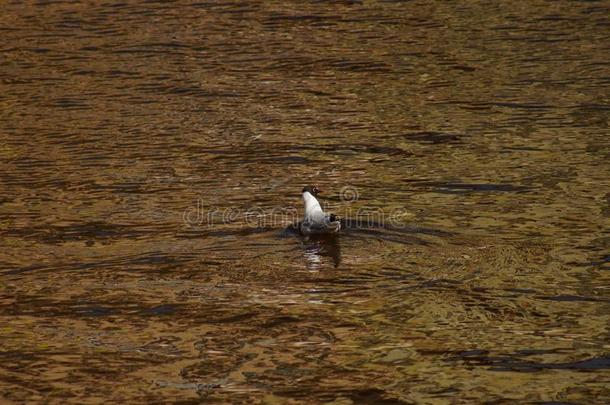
(319, 246)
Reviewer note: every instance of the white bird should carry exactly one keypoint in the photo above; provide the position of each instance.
(316, 221)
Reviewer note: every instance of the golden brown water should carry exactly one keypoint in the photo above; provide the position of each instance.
(138, 140)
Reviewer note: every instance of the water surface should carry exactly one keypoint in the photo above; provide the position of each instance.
(141, 142)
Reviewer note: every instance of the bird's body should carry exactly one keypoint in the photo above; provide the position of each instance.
(316, 221)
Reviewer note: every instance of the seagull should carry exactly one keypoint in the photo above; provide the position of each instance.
(317, 221)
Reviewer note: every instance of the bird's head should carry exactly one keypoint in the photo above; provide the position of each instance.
(313, 190)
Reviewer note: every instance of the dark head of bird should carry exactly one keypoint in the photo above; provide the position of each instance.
(313, 190)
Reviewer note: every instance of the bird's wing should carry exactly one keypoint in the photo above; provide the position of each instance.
(331, 217)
